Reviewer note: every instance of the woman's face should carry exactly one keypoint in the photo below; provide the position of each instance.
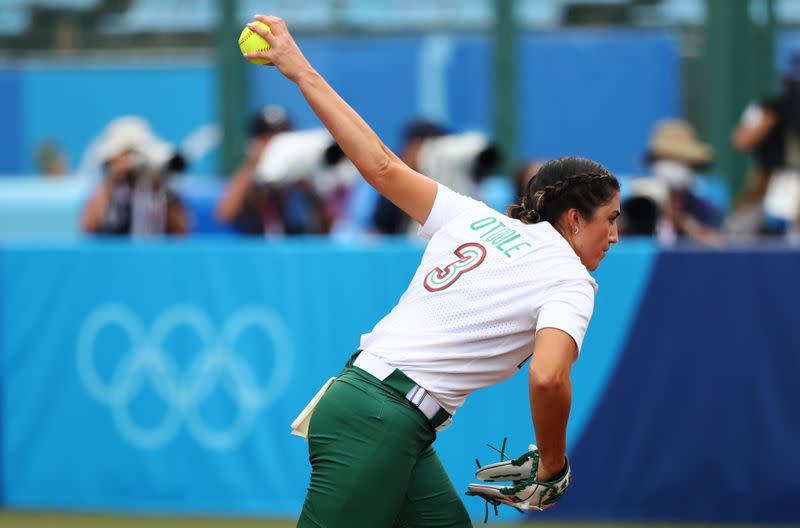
(595, 236)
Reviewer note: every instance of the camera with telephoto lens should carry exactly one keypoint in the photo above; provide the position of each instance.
(148, 155)
(300, 155)
(459, 161)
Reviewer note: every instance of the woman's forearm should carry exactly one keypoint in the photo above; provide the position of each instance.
(550, 404)
(355, 137)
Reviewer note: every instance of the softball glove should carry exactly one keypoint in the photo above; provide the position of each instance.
(525, 492)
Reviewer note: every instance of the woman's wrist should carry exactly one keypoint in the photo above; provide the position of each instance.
(306, 76)
(550, 467)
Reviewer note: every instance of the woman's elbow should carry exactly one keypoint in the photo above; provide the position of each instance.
(377, 170)
(549, 379)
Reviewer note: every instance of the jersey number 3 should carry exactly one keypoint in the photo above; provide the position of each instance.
(470, 256)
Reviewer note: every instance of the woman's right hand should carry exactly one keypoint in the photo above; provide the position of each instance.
(283, 52)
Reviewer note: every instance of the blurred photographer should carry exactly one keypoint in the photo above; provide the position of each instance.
(664, 203)
(460, 161)
(268, 194)
(134, 197)
(769, 130)
(387, 218)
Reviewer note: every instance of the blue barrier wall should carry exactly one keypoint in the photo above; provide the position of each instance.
(163, 377)
(701, 418)
(442, 76)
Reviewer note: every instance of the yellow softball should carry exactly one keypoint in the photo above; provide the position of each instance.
(250, 41)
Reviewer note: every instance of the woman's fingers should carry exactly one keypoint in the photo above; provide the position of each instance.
(283, 52)
(264, 32)
(260, 55)
(275, 23)
(268, 36)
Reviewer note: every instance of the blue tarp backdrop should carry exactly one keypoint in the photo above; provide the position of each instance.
(389, 80)
(163, 377)
(701, 419)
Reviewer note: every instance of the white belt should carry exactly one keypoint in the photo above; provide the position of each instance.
(418, 396)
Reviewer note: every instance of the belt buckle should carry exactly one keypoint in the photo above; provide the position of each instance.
(422, 400)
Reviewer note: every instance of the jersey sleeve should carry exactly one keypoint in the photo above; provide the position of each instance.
(569, 308)
(447, 205)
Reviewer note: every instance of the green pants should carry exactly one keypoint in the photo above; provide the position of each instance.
(373, 465)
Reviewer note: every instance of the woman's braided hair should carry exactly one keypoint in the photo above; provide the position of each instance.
(562, 184)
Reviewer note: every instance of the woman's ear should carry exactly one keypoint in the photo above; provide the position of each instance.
(573, 219)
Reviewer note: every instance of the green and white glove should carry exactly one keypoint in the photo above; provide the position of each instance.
(525, 491)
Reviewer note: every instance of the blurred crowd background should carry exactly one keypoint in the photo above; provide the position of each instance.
(140, 117)
(160, 375)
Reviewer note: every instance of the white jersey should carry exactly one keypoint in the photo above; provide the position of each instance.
(486, 284)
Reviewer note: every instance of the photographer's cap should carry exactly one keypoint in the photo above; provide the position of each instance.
(133, 133)
(422, 129)
(123, 134)
(272, 119)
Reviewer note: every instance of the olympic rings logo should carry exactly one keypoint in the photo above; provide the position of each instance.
(182, 391)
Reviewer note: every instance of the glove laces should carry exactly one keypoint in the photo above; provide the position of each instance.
(488, 500)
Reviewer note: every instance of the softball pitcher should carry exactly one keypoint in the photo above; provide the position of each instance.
(490, 292)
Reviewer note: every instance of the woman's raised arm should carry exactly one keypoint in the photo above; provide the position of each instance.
(409, 190)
